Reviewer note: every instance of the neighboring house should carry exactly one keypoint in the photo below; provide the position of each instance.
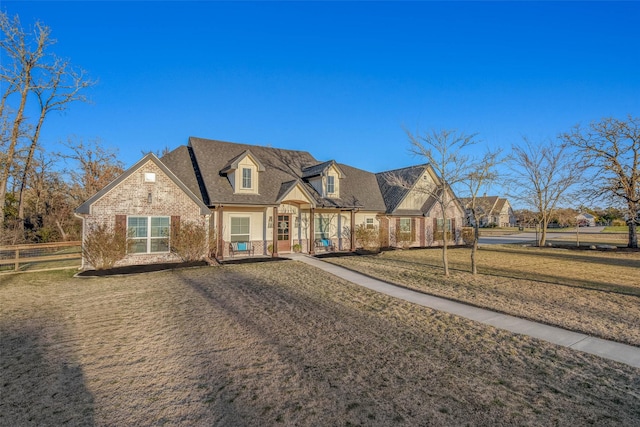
(275, 200)
(586, 220)
(495, 211)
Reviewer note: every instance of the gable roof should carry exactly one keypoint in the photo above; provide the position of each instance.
(85, 208)
(491, 204)
(201, 162)
(320, 168)
(395, 185)
(233, 163)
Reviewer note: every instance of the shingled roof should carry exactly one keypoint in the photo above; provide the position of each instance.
(396, 184)
(199, 166)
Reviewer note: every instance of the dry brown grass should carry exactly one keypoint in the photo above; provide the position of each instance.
(597, 293)
(278, 344)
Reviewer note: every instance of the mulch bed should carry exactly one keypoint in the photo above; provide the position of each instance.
(252, 260)
(146, 268)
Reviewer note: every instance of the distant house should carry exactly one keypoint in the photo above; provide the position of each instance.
(496, 211)
(586, 220)
(271, 200)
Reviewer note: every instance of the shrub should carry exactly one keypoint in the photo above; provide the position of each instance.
(189, 241)
(468, 235)
(104, 246)
(368, 238)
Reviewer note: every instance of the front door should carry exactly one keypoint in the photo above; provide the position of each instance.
(284, 233)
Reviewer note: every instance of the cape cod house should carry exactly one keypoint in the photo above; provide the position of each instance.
(268, 200)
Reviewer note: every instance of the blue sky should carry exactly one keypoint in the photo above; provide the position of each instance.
(340, 80)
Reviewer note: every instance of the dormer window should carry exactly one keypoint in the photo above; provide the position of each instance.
(331, 184)
(243, 173)
(246, 178)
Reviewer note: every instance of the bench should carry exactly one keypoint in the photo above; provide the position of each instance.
(325, 244)
(240, 247)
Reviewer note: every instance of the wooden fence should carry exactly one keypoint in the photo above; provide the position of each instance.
(42, 256)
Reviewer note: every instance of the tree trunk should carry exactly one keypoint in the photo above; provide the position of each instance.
(15, 135)
(633, 235)
(474, 249)
(27, 165)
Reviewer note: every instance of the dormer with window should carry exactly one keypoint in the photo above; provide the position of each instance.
(242, 173)
(325, 178)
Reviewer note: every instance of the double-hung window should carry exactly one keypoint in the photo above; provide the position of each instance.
(240, 229)
(246, 178)
(148, 234)
(369, 223)
(331, 184)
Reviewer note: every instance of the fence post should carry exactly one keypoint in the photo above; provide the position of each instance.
(17, 266)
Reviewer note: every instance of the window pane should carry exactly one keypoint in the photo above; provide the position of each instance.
(331, 184)
(246, 178)
(159, 245)
(160, 227)
(138, 246)
(240, 229)
(405, 224)
(137, 226)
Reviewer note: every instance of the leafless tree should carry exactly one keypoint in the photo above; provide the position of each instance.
(481, 174)
(28, 69)
(542, 176)
(611, 148)
(444, 151)
(92, 166)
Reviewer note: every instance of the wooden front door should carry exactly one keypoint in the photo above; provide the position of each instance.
(284, 233)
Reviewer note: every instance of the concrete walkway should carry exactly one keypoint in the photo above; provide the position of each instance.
(627, 354)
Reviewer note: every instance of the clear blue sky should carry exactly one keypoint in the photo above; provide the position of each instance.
(340, 80)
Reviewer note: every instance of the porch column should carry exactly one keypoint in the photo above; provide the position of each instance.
(423, 241)
(274, 252)
(352, 231)
(219, 240)
(312, 232)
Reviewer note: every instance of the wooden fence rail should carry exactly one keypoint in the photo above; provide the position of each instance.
(36, 257)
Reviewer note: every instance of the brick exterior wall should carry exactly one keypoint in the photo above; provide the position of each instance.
(131, 197)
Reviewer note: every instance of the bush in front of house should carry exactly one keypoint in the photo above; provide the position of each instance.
(189, 241)
(367, 238)
(103, 246)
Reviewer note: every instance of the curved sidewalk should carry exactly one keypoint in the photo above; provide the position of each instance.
(627, 354)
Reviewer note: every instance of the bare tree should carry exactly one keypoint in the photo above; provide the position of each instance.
(62, 85)
(611, 148)
(482, 173)
(444, 151)
(542, 177)
(93, 167)
(27, 70)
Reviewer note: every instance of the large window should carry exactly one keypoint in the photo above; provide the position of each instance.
(148, 234)
(246, 178)
(331, 184)
(240, 231)
(321, 227)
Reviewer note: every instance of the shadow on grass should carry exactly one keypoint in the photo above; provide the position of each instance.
(40, 386)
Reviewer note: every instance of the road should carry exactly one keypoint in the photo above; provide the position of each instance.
(528, 237)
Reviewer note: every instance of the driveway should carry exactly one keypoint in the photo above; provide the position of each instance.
(528, 237)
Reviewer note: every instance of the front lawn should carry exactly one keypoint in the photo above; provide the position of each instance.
(594, 292)
(278, 344)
